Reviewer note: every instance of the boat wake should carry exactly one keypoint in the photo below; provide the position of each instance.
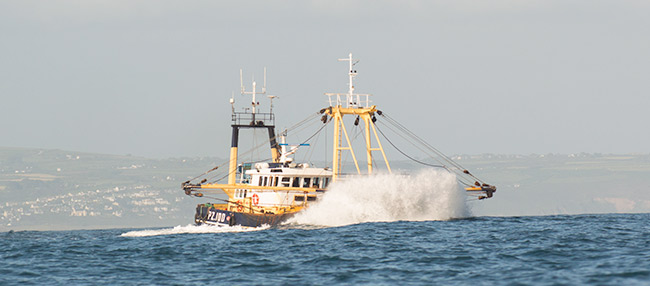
(191, 229)
(426, 195)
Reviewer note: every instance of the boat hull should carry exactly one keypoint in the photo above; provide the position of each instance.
(209, 215)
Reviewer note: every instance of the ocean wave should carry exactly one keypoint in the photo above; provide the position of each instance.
(190, 229)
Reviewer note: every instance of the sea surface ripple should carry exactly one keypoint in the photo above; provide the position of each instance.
(545, 250)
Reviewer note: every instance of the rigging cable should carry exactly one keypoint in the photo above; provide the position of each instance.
(295, 126)
(460, 179)
(418, 161)
(431, 148)
(309, 154)
(307, 119)
(406, 155)
(461, 174)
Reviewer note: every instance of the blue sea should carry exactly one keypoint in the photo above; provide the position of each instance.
(604, 249)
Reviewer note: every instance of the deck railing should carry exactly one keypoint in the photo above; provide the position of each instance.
(253, 119)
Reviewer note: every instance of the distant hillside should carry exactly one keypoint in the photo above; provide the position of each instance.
(54, 189)
(563, 184)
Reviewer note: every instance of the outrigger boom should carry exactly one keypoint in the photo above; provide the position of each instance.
(269, 193)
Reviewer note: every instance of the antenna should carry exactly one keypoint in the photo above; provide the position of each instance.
(264, 87)
(272, 97)
(254, 92)
(232, 101)
(353, 100)
(254, 102)
(252, 115)
(352, 73)
(241, 81)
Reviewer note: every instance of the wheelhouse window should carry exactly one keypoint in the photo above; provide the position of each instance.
(286, 181)
(317, 182)
(296, 182)
(326, 182)
(305, 182)
(266, 180)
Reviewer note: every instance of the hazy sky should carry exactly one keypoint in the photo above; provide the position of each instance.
(153, 78)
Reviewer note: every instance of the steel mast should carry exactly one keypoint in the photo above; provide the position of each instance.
(355, 104)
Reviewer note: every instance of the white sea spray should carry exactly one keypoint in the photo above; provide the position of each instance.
(425, 195)
(190, 229)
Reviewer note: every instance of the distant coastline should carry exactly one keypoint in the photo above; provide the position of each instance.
(44, 189)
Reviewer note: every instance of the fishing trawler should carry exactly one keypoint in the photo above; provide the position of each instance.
(268, 193)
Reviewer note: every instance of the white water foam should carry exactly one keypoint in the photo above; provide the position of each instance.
(191, 229)
(425, 195)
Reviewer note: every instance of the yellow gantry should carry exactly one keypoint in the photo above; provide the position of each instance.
(366, 114)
